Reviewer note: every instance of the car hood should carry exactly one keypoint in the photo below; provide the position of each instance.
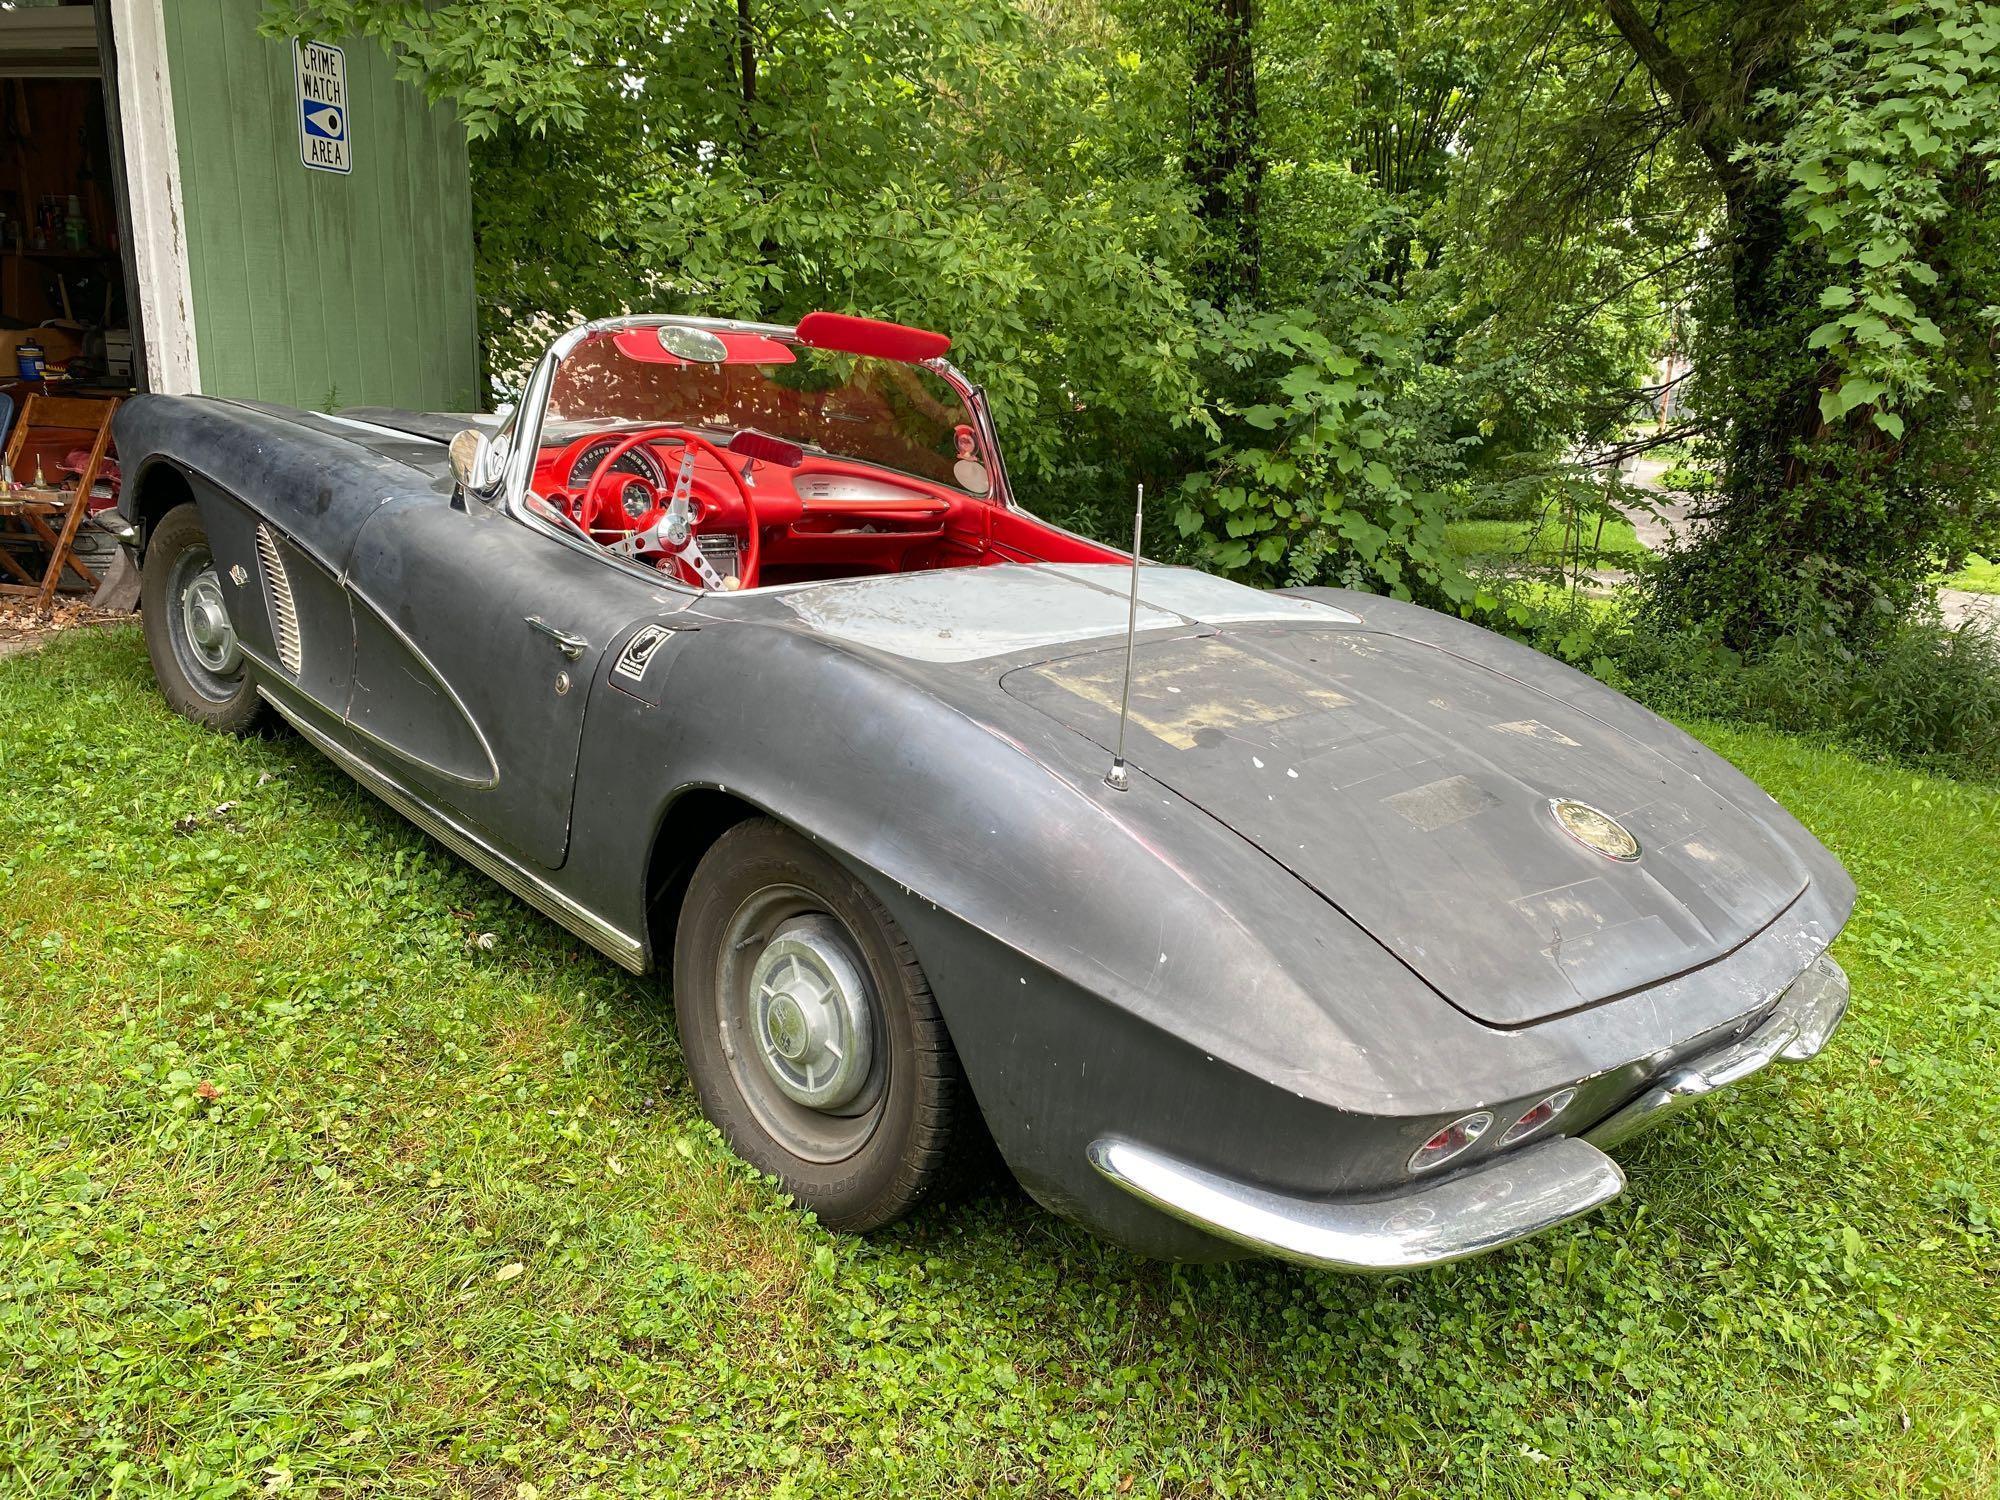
(1413, 789)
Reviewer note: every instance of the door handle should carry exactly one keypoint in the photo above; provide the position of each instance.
(571, 646)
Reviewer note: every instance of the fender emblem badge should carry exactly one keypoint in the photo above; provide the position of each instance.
(638, 653)
(237, 575)
(1595, 829)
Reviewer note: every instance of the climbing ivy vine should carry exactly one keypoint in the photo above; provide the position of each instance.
(1894, 132)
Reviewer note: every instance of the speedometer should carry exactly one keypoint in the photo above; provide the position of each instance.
(637, 459)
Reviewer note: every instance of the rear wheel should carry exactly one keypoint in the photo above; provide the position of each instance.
(810, 1032)
(196, 658)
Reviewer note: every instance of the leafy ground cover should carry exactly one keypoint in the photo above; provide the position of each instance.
(325, 1167)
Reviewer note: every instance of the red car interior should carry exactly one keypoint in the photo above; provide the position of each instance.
(811, 522)
(869, 476)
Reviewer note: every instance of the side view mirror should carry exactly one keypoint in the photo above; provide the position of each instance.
(475, 461)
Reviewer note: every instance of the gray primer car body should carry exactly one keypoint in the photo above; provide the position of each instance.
(1330, 915)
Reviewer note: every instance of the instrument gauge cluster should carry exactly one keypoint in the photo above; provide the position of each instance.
(639, 460)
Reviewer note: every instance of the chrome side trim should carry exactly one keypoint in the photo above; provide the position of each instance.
(388, 432)
(610, 940)
(284, 611)
(1801, 1023)
(1510, 1197)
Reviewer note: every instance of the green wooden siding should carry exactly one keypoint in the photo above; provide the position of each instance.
(316, 289)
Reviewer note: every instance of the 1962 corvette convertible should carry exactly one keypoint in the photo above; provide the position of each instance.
(731, 650)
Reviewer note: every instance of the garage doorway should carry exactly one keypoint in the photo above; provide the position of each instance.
(69, 324)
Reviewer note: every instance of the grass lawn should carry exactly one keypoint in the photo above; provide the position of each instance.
(1540, 542)
(305, 1189)
(1980, 575)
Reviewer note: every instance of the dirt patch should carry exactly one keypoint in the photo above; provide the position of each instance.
(24, 628)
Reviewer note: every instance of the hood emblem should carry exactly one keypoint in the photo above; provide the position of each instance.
(1594, 829)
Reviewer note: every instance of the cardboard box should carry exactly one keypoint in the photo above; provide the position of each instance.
(59, 346)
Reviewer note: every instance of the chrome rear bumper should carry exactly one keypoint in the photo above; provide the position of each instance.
(1504, 1199)
(1797, 1028)
(1508, 1199)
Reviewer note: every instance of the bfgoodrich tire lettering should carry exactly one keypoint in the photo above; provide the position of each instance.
(195, 661)
(900, 1125)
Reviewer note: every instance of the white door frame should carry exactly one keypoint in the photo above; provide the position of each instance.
(153, 188)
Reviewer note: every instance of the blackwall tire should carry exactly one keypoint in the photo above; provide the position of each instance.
(201, 672)
(899, 1126)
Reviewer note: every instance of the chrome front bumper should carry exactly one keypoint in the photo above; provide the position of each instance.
(1507, 1198)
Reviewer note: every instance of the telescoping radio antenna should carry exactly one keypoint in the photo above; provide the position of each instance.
(1117, 778)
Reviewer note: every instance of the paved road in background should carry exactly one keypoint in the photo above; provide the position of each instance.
(1658, 532)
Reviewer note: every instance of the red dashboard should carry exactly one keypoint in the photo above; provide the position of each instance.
(826, 518)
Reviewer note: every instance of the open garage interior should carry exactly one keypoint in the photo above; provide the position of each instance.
(67, 341)
(63, 277)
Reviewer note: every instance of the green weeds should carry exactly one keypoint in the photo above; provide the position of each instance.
(307, 1187)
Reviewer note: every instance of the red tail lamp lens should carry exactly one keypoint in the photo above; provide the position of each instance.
(1537, 1117)
(1450, 1141)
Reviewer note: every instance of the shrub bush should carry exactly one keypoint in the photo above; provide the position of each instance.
(1918, 693)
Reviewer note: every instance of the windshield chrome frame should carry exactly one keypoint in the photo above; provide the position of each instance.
(526, 424)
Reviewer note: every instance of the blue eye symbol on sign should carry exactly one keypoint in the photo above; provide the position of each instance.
(323, 124)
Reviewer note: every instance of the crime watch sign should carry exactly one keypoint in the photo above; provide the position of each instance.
(323, 121)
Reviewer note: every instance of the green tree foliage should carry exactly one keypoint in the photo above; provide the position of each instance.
(1369, 253)
(1892, 136)
(962, 167)
(1324, 273)
(1811, 164)
(1304, 469)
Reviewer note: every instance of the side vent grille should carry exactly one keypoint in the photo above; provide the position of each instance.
(284, 613)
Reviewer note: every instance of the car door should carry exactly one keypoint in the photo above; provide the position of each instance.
(476, 641)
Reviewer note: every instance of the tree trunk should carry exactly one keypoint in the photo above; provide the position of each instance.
(1225, 156)
(1764, 429)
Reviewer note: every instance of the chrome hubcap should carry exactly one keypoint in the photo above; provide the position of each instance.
(811, 1006)
(210, 636)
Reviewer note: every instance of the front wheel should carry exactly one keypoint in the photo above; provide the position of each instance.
(196, 658)
(810, 1032)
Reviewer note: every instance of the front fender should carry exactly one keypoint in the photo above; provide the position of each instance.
(317, 488)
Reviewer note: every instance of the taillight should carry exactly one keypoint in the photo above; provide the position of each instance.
(1537, 1117)
(1454, 1139)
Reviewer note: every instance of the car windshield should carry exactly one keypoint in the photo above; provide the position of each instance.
(874, 411)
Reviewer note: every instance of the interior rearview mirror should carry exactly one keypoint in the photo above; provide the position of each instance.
(474, 460)
(751, 443)
(696, 345)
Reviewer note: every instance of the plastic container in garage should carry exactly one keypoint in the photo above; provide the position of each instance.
(118, 353)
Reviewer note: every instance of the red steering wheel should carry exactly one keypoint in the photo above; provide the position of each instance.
(597, 496)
